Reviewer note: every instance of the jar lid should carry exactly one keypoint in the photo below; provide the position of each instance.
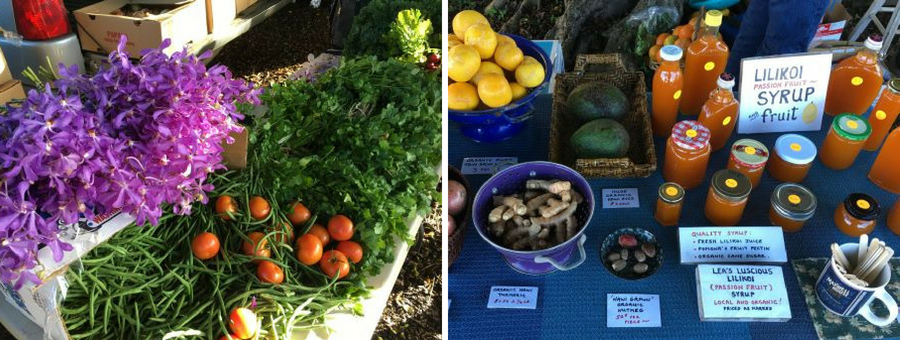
(794, 201)
(852, 127)
(731, 185)
(862, 207)
(690, 135)
(671, 192)
(874, 42)
(750, 153)
(725, 81)
(894, 85)
(795, 149)
(671, 53)
(713, 18)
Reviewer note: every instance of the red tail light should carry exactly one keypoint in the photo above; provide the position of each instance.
(40, 19)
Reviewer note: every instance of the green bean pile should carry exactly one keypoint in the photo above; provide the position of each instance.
(145, 283)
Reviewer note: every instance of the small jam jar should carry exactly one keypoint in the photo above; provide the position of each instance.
(668, 206)
(792, 206)
(844, 141)
(857, 215)
(727, 197)
(749, 157)
(794, 155)
(687, 154)
(894, 218)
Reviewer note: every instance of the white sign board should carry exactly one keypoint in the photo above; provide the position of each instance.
(632, 310)
(732, 245)
(783, 93)
(513, 297)
(742, 293)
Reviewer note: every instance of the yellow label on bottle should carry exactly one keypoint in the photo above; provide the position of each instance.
(794, 199)
(796, 147)
(863, 204)
(750, 150)
(709, 66)
(677, 95)
(726, 121)
(731, 183)
(853, 124)
(671, 191)
(691, 133)
(881, 115)
(856, 81)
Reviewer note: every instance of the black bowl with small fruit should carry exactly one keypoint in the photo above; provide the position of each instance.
(631, 253)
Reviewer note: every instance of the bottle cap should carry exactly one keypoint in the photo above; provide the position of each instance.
(725, 81)
(794, 201)
(671, 53)
(795, 149)
(862, 207)
(731, 185)
(713, 18)
(750, 153)
(894, 85)
(671, 192)
(852, 127)
(690, 135)
(874, 42)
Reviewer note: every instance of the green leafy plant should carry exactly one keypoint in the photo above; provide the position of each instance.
(409, 33)
(371, 27)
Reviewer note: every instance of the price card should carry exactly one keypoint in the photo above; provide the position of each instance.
(486, 165)
(732, 245)
(621, 198)
(513, 297)
(632, 310)
(742, 293)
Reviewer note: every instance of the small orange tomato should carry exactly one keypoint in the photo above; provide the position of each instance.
(250, 249)
(321, 233)
(269, 272)
(225, 205)
(285, 234)
(340, 228)
(205, 246)
(309, 249)
(242, 322)
(233, 337)
(299, 214)
(334, 263)
(259, 207)
(351, 249)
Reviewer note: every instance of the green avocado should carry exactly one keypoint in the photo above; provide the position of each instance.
(601, 138)
(591, 101)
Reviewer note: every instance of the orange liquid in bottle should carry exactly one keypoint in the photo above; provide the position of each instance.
(720, 111)
(844, 141)
(704, 61)
(668, 205)
(894, 218)
(687, 154)
(723, 212)
(855, 81)
(786, 224)
(666, 91)
(884, 114)
(885, 171)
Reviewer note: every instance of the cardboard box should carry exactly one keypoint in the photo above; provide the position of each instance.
(832, 26)
(235, 154)
(99, 30)
(241, 5)
(5, 74)
(11, 90)
(219, 14)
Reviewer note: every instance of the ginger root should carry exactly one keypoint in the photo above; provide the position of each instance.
(553, 207)
(554, 187)
(496, 215)
(543, 216)
(513, 203)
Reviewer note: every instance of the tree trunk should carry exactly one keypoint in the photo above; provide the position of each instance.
(576, 24)
(512, 25)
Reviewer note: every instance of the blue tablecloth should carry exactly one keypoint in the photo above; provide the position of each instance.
(573, 304)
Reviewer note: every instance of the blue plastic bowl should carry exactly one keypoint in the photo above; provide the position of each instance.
(494, 125)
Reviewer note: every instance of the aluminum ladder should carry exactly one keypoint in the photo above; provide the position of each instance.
(888, 32)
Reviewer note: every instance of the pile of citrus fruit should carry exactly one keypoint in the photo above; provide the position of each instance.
(486, 69)
(681, 36)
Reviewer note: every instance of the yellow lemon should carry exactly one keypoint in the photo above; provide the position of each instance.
(463, 62)
(518, 91)
(453, 40)
(508, 56)
(504, 39)
(483, 38)
(464, 19)
(494, 90)
(486, 68)
(462, 97)
(530, 73)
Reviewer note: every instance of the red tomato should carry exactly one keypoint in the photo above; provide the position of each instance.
(299, 214)
(259, 207)
(309, 249)
(352, 249)
(243, 323)
(285, 234)
(205, 246)
(269, 272)
(321, 233)
(334, 263)
(340, 228)
(250, 249)
(225, 205)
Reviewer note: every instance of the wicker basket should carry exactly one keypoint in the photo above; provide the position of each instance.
(455, 240)
(599, 63)
(641, 159)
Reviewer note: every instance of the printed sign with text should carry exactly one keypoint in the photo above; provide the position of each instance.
(513, 297)
(486, 165)
(732, 245)
(742, 293)
(632, 310)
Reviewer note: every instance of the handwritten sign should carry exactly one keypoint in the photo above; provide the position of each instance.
(513, 297)
(742, 293)
(732, 245)
(632, 310)
(621, 198)
(783, 93)
(486, 165)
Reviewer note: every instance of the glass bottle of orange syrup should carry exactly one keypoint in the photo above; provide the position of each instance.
(884, 114)
(705, 60)
(855, 81)
(720, 111)
(666, 91)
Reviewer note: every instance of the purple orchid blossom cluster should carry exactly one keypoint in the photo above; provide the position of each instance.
(133, 136)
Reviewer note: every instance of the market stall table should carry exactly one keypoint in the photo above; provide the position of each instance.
(573, 303)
